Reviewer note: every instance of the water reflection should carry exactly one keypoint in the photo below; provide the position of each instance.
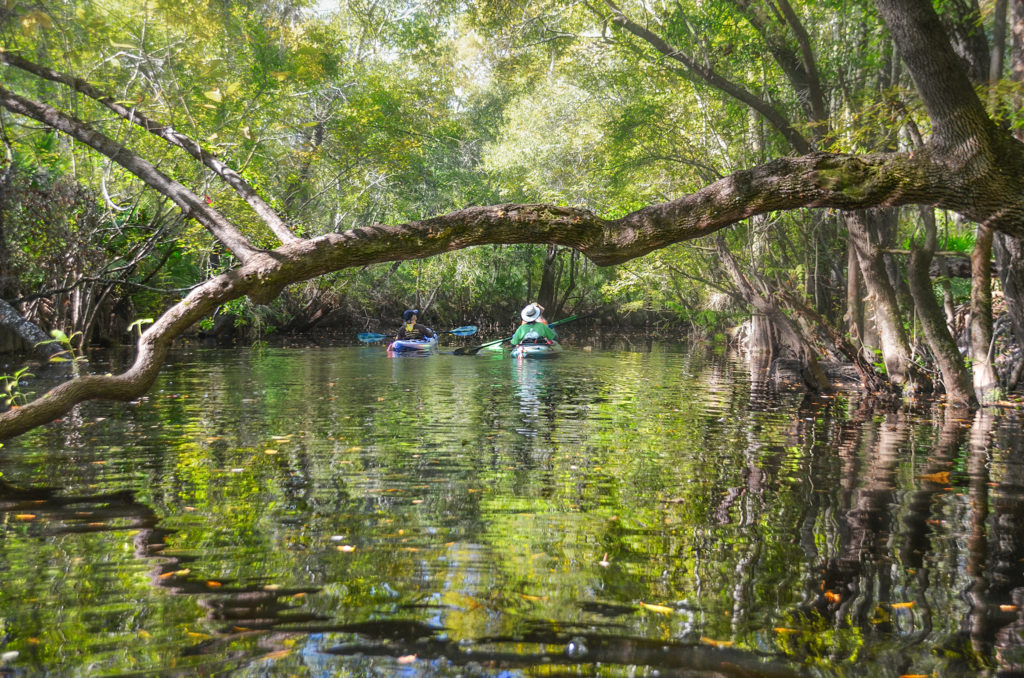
(335, 510)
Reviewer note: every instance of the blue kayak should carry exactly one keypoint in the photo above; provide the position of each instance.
(540, 349)
(413, 345)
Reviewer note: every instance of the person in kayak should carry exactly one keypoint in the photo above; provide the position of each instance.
(412, 330)
(534, 329)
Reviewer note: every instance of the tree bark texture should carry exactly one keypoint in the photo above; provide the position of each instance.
(985, 380)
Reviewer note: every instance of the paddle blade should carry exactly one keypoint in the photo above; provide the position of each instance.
(370, 337)
(464, 331)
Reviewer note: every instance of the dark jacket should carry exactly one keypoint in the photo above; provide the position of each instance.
(409, 332)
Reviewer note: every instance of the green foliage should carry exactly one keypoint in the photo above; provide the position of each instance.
(12, 394)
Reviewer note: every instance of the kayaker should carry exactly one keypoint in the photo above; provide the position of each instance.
(411, 329)
(534, 328)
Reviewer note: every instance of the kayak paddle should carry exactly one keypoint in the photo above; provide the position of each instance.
(473, 350)
(373, 337)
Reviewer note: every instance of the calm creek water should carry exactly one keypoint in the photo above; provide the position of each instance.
(320, 512)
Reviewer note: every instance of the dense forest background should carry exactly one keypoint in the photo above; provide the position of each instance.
(351, 114)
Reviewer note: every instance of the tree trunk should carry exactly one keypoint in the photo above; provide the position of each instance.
(547, 294)
(895, 345)
(1010, 260)
(985, 381)
(11, 320)
(854, 298)
(959, 391)
(811, 372)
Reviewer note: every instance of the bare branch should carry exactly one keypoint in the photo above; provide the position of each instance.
(168, 134)
(189, 202)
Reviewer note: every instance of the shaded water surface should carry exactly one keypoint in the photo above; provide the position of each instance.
(334, 511)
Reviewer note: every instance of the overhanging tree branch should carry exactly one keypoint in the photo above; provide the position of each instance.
(713, 78)
(168, 134)
(189, 202)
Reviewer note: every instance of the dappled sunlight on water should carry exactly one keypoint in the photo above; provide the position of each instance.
(319, 511)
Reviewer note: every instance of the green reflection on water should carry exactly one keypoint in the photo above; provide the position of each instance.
(608, 512)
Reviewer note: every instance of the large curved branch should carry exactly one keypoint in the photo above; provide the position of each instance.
(168, 134)
(816, 180)
(189, 202)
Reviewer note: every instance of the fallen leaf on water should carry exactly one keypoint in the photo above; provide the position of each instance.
(214, 584)
(903, 606)
(25, 516)
(269, 451)
(1008, 608)
(915, 675)
(662, 609)
(195, 634)
(407, 659)
(832, 596)
(279, 654)
(271, 587)
(941, 477)
(783, 629)
(716, 643)
(529, 597)
(144, 633)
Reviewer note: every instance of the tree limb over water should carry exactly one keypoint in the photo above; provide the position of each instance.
(969, 166)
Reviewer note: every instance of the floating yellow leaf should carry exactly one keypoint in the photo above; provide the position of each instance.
(279, 654)
(214, 584)
(1008, 608)
(194, 634)
(144, 633)
(783, 629)
(661, 609)
(407, 659)
(832, 596)
(915, 675)
(269, 451)
(347, 548)
(941, 478)
(25, 516)
(903, 606)
(716, 643)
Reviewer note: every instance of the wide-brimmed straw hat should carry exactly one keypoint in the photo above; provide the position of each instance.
(531, 313)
